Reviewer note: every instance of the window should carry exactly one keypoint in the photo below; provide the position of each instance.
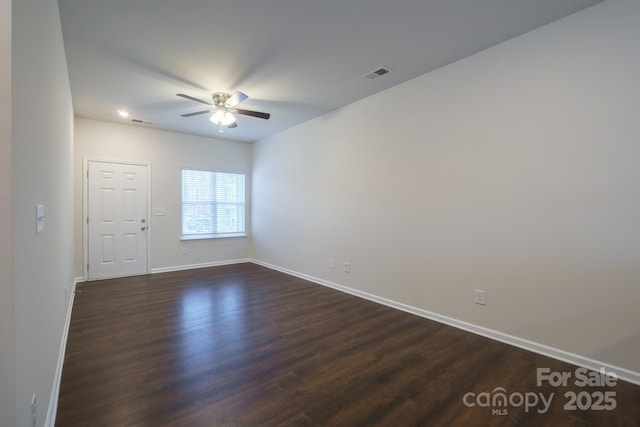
(212, 204)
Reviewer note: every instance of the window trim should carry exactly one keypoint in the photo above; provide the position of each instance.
(188, 237)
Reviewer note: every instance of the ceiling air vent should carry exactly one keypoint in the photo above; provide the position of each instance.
(378, 73)
(141, 122)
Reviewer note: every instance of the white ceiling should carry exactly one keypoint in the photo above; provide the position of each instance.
(295, 59)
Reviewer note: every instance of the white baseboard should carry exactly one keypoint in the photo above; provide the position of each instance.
(55, 390)
(576, 359)
(201, 265)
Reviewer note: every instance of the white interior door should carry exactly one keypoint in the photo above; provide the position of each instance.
(117, 221)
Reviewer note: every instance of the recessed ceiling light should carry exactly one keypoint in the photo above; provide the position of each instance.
(123, 113)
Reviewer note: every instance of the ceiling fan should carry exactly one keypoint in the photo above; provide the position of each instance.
(223, 109)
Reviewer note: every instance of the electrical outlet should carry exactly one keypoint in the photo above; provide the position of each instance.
(332, 264)
(347, 267)
(34, 412)
(480, 297)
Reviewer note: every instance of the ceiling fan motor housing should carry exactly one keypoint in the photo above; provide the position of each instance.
(220, 98)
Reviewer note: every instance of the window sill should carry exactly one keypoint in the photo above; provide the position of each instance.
(211, 236)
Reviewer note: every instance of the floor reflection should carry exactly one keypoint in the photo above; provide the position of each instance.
(211, 326)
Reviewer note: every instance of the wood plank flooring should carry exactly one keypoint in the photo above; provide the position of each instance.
(243, 345)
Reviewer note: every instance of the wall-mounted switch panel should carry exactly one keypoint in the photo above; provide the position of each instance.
(39, 218)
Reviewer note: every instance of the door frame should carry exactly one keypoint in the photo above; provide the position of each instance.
(85, 208)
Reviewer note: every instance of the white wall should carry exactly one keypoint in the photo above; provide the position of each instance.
(7, 345)
(42, 161)
(514, 170)
(168, 153)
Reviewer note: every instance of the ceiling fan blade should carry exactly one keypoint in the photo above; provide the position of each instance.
(193, 99)
(196, 113)
(236, 99)
(257, 114)
(233, 125)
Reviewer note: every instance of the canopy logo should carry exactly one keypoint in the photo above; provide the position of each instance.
(500, 401)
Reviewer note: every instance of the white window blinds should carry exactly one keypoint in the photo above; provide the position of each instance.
(213, 204)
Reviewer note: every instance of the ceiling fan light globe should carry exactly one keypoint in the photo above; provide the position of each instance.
(217, 117)
(228, 119)
(222, 117)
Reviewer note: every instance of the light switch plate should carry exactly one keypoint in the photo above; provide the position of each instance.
(39, 218)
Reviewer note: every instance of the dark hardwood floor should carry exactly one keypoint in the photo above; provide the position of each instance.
(242, 345)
